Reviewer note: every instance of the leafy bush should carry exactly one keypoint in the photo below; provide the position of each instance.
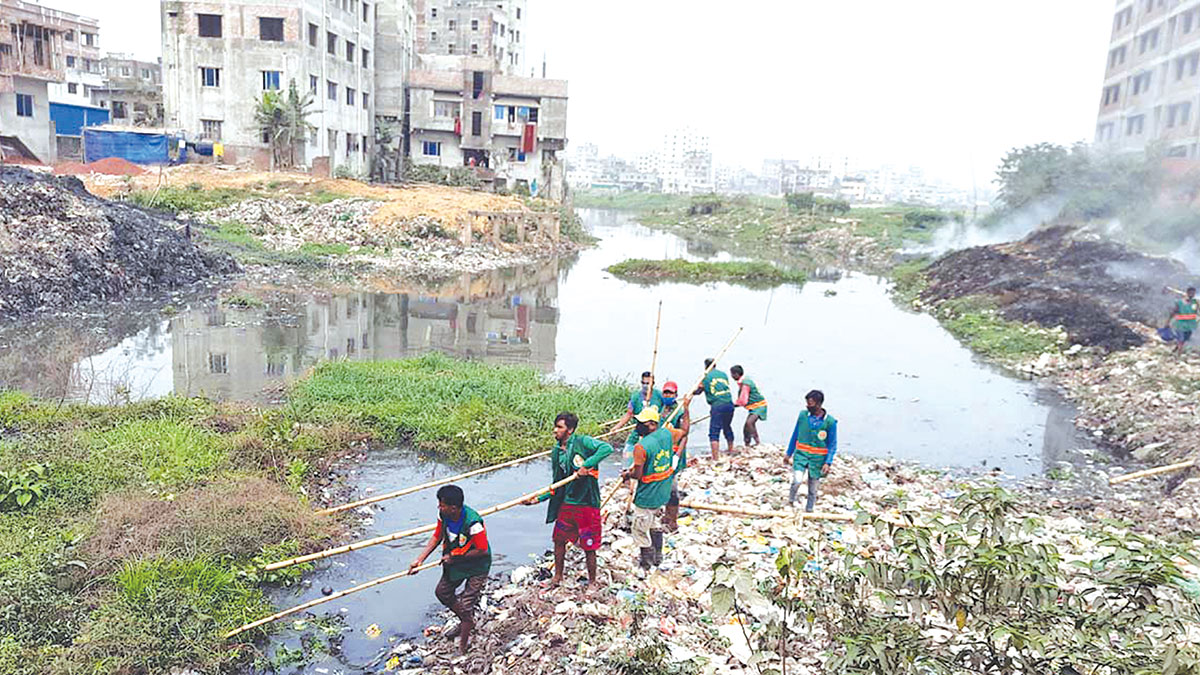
(458, 176)
(192, 198)
(800, 202)
(20, 488)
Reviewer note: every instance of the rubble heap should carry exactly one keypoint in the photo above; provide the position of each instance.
(524, 629)
(60, 244)
(1063, 276)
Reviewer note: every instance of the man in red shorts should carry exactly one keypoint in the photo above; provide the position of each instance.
(575, 508)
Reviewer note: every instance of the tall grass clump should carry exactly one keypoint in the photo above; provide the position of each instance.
(743, 273)
(168, 452)
(465, 410)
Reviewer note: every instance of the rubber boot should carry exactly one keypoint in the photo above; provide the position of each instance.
(656, 539)
(646, 557)
(671, 518)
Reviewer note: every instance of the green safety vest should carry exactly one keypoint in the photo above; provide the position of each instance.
(756, 399)
(638, 401)
(654, 487)
(1185, 313)
(472, 567)
(583, 491)
(812, 441)
(716, 388)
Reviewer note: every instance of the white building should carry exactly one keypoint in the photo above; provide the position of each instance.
(485, 29)
(682, 164)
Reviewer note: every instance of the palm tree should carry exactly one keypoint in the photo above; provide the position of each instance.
(283, 122)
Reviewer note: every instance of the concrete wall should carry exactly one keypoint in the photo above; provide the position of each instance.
(37, 132)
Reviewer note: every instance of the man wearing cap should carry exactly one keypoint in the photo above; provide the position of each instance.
(575, 508)
(647, 395)
(675, 415)
(811, 448)
(654, 467)
(466, 557)
(1184, 316)
(716, 391)
(753, 401)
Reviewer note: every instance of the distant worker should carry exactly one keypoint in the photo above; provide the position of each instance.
(675, 415)
(1183, 315)
(647, 395)
(716, 391)
(812, 447)
(575, 509)
(753, 401)
(655, 464)
(466, 557)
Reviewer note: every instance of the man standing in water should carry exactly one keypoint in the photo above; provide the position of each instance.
(654, 467)
(575, 508)
(676, 416)
(753, 401)
(716, 391)
(466, 557)
(811, 448)
(1184, 316)
(647, 395)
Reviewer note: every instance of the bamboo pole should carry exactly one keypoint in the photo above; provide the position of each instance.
(691, 392)
(338, 550)
(654, 358)
(1156, 471)
(616, 486)
(744, 511)
(430, 484)
(320, 601)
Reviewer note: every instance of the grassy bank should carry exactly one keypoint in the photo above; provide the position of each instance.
(757, 274)
(130, 535)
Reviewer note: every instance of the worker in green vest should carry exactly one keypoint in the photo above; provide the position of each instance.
(655, 464)
(750, 398)
(647, 395)
(812, 447)
(716, 391)
(574, 509)
(1183, 315)
(675, 414)
(466, 558)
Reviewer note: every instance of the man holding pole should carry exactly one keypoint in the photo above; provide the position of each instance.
(575, 509)
(675, 415)
(466, 557)
(655, 464)
(715, 386)
(750, 398)
(638, 401)
(811, 448)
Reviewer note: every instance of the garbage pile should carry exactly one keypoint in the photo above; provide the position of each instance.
(523, 628)
(419, 244)
(60, 245)
(1063, 276)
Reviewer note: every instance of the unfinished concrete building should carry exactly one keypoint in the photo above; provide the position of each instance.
(220, 56)
(1151, 89)
(512, 127)
(486, 29)
(36, 45)
(132, 91)
(395, 31)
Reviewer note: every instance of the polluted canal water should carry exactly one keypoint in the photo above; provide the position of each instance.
(899, 384)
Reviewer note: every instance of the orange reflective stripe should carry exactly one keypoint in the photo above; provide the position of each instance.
(594, 473)
(812, 449)
(655, 477)
(1185, 317)
(760, 404)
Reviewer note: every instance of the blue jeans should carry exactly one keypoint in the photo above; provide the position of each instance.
(721, 421)
(812, 480)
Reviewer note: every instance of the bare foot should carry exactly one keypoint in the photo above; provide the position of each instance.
(551, 584)
(464, 636)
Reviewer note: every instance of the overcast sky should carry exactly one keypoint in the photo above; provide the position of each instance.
(946, 84)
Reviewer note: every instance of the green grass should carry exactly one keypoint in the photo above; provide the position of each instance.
(189, 199)
(463, 410)
(973, 319)
(633, 201)
(756, 274)
(166, 452)
(909, 279)
(236, 239)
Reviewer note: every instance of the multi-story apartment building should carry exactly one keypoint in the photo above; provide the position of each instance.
(487, 29)
(39, 47)
(132, 91)
(83, 64)
(395, 39)
(683, 163)
(219, 56)
(1151, 90)
(472, 116)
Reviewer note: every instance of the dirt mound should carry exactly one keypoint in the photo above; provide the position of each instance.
(109, 166)
(1063, 276)
(59, 245)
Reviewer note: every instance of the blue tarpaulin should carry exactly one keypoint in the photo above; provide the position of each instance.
(139, 148)
(70, 119)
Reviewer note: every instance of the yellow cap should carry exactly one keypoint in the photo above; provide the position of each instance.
(648, 414)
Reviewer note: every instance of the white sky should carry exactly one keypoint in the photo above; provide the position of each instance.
(945, 84)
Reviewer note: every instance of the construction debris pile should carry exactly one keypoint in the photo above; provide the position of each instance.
(59, 245)
(1063, 276)
(524, 628)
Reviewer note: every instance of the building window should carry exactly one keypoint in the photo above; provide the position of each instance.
(69, 36)
(433, 36)
(350, 48)
(1123, 18)
(72, 88)
(1185, 25)
(210, 129)
(500, 112)
(366, 12)
(145, 73)
(433, 13)
(1148, 41)
(1178, 151)
(24, 105)
(431, 148)
(218, 364)
(331, 43)
(351, 142)
(210, 77)
(209, 24)
(313, 81)
(445, 109)
(70, 61)
(89, 39)
(518, 13)
(474, 24)
(270, 29)
(474, 49)
(366, 100)
(501, 30)
(270, 80)
(452, 24)
(1187, 65)
(332, 134)
(516, 155)
(364, 143)
(1116, 57)
(533, 115)
(1134, 125)
(349, 96)
(331, 90)
(518, 35)
(366, 58)
(476, 123)
(1179, 114)
(313, 34)
(1141, 83)
(125, 72)
(450, 49)
(119, 111)
(1104, 132)
(1112, 94)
